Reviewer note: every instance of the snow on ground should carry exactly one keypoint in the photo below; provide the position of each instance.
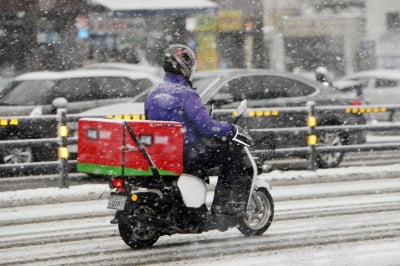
(368, 252)
(100, 191)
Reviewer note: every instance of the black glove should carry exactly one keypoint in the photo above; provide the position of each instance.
(240, 136)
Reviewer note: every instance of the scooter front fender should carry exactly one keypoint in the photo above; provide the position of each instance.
(259, 183)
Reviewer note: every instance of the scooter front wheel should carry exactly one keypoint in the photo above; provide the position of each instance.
(260, 212)
(137, 235)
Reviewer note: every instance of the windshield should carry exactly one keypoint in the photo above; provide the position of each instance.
(199, 83)
(28, 92)
(141, 97)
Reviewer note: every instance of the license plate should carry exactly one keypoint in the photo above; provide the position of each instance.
(116, 202)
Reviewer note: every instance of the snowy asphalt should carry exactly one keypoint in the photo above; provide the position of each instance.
(99, 190)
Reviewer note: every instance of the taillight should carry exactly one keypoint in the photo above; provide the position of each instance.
(118, 184)
(356, 102)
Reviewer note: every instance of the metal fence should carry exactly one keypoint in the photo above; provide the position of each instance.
(63, 140)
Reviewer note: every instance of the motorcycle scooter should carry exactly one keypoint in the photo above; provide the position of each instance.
(156, 202)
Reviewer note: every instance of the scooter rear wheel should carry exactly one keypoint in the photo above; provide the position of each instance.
(260, 213)
(138, 235)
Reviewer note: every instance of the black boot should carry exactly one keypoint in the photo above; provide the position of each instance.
(228, 203)
(238, 197)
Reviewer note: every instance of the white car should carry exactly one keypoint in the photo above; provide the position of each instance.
(35, 93)
(83, 89)
(376, 87)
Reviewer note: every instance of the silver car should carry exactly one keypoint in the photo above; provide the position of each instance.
(375, 87)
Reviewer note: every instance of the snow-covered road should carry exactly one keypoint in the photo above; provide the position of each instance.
(326, 217)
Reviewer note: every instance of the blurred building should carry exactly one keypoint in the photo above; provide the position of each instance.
(310, 33)
(40, 34)
(139, 31)
(240, 34)
(64, 34)
(343, 35)
(224, 33)
(382, 38)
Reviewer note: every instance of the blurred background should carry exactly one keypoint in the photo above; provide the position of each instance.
(345, 36)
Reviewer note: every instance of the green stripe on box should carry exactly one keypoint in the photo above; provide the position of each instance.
(101, 169)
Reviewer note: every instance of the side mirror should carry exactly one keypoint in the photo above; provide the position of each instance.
(59, 102)
(242, 107)
(240, 110)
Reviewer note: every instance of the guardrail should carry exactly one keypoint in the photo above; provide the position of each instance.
(312, 130)
(64, 164)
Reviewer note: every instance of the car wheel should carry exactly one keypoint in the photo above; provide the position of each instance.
(395, 116)
(330, 159)
(17, 155)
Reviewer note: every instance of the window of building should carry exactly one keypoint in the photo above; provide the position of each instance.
(393, 21)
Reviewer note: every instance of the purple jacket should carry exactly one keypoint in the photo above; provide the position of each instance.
(174, 100)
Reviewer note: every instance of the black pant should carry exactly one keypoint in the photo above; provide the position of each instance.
(234, 169)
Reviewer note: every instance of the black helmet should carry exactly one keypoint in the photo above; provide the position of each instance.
(180, 59)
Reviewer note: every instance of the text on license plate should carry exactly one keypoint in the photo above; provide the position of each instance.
(116, 202)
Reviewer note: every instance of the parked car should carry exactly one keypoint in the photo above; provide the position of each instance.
(265, 90)
(376, 87)
(33, 94)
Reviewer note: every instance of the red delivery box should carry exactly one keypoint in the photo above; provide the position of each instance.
(106, 147)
